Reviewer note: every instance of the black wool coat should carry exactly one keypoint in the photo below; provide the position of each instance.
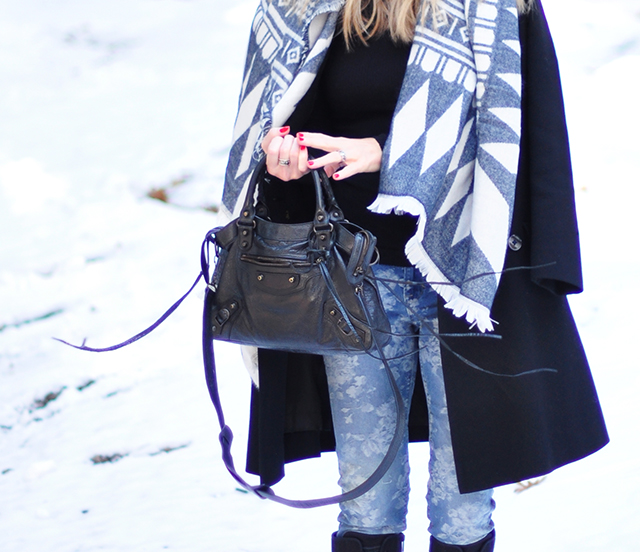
(503, 429)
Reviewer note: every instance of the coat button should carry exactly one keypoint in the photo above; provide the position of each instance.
(515, 242)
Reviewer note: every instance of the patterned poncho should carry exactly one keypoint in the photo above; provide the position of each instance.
(452, 153)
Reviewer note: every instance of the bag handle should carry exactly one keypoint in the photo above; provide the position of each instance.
(323, 217)
(335, 213)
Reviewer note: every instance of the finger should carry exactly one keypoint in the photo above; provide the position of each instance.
(329, 170)
(303, 158)
(298, 161)
(289, 153)
(273, 152)
(345, 172)
(274, 132)
(285, 148)
(284, 158)
(333, 158)
(267, 139)
(319, 141)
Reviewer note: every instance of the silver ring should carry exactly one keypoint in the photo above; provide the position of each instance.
(343, 157)
(283, 162)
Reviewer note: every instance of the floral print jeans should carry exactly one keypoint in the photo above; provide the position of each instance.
(364, 418)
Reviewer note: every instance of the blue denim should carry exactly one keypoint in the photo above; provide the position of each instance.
(364, 418)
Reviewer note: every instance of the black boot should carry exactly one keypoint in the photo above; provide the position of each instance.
(360, 542)
(484, 545)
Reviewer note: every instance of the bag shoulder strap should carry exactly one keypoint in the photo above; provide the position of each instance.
(226, 435)
(140, 335)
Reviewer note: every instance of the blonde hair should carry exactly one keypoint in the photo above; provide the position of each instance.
(399, 17)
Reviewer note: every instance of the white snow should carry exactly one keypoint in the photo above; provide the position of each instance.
(102, 101)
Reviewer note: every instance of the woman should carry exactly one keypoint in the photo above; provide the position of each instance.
(418, 112)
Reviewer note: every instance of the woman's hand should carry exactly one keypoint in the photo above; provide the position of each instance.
(286, 157)
(346, 157)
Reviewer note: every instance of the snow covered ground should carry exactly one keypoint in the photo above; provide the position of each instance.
(102, 102)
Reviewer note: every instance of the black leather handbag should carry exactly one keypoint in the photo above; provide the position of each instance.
(304, 287)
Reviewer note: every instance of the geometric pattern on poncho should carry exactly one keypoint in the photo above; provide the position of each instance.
(453, 151)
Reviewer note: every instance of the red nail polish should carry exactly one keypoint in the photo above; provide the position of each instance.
(310, 163)
(300, 136)
(302, 148)
(336, 176)
(284, 130)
